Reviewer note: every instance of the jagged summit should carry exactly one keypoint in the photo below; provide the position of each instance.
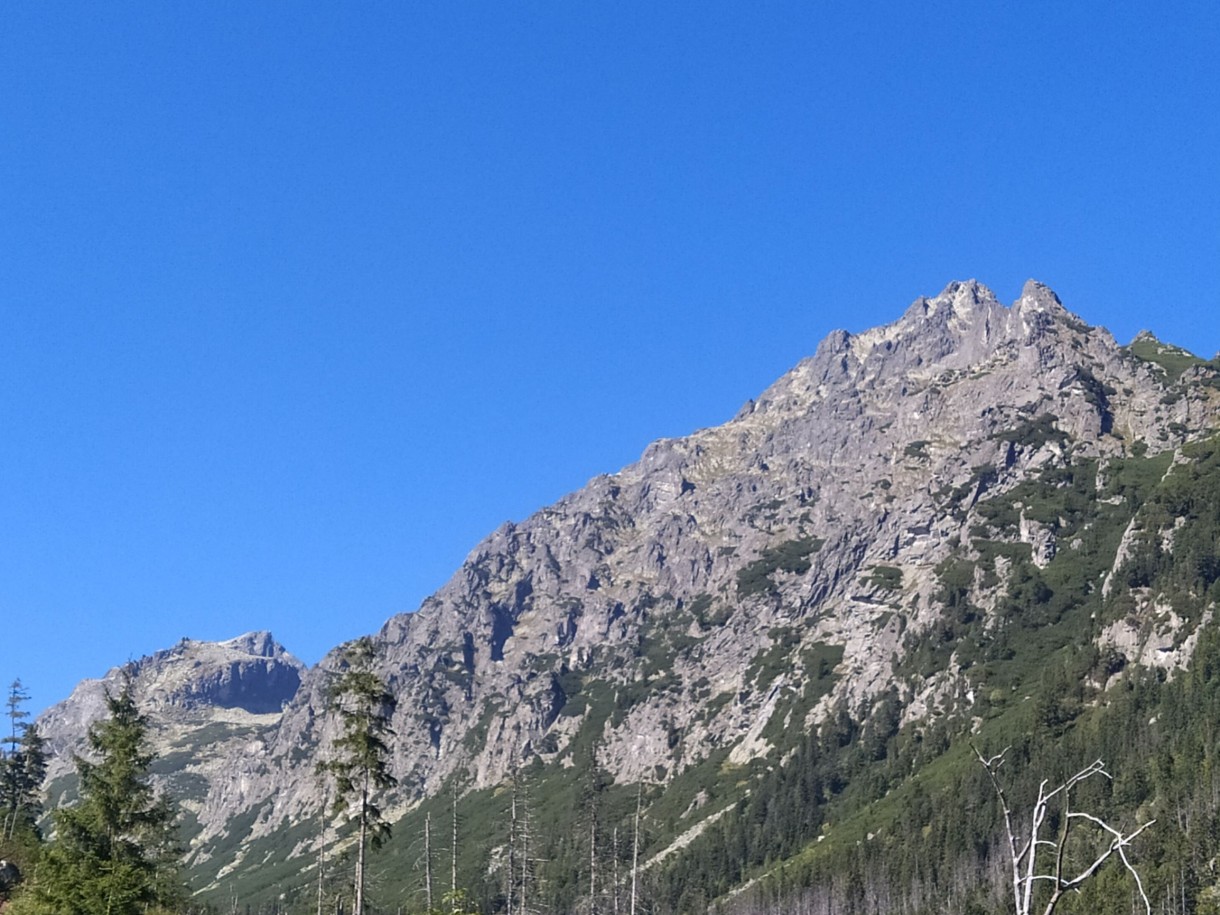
(252, 672)
(259, 643)
(190, 684)
(964, 326)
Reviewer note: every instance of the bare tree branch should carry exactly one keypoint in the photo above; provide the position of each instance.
(1023, 851)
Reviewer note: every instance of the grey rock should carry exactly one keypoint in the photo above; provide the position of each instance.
(232, 686)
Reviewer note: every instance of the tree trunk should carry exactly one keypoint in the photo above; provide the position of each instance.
(428, 858)
(358, 905)
(321, 854)
(635, 848)
(592, 865)
(614, 862)
(512, 849)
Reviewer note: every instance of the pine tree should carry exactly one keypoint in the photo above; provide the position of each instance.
(114, 852)
(16, 713)
(361, 766)
(22, 768)
(24, 771)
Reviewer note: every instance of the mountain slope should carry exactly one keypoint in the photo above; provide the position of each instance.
(870, 817)
(835, 553)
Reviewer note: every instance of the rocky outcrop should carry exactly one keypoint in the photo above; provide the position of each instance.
(237, 684)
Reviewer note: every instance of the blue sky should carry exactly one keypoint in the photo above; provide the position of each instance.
(300, 301)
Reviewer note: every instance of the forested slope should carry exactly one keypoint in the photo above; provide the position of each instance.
(875, 817)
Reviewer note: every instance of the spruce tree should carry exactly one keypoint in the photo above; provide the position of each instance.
(22, 767)
(23, 772)
(15, 712)
(114, 852)
(360, 767)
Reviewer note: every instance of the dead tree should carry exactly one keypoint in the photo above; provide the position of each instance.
(521, 863)
(321, 853)
(510, 884)
(593, 862)
(428, 857)
(1030, 871)
(635, 846)
(453, 887)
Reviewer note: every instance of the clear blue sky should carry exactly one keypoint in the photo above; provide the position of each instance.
(299, 301)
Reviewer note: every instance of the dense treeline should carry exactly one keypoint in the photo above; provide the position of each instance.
(936, 846)
(915, 822)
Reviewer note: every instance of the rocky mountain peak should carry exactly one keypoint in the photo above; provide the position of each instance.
(260, 644)
(1041, 297)
(733, 586)
(191, 683)
(251, 672)
(1145, 336)
(963, 330)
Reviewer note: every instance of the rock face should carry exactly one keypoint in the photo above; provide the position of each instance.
(758, 573)
(233, 688)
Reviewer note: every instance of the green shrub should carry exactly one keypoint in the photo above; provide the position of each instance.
(791, 556)
(887, 578)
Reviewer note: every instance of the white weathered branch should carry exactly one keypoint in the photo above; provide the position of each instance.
(1025, 872)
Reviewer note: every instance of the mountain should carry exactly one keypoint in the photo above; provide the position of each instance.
(203, 699)
(882, 550)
